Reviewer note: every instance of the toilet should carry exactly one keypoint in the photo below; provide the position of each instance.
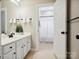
(45, 54)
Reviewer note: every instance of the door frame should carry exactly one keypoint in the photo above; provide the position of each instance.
(68, 41)
(37, 17)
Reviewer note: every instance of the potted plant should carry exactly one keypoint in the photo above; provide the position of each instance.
(19, 29)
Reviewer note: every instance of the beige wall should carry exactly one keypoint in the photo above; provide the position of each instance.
(26, 10)
(74, 41)
(74, 8)
(74, 29)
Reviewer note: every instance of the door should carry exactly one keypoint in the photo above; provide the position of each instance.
(19, 49)
(10, 55)
(74, 13)
(46, 26)
(25, 49)
(60, 19)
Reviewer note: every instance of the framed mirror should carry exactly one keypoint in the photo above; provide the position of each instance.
(3, 20)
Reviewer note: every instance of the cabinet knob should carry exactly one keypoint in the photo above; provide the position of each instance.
(14, 52)
(22, 47)
(11, 47)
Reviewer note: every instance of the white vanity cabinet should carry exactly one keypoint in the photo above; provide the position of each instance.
(28, 44)
(17, 49)
(22, 47)
(9, 51)
(10, 55)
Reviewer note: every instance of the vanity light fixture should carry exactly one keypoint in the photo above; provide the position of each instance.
(14, 21)
(24, 20)
(10, 20)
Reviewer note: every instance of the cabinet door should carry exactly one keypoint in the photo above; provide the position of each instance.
(10, 55)
(0, 53)
(24, 47)
(19, 49)
(29, 44)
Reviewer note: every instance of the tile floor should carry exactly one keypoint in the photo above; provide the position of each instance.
(43, 49)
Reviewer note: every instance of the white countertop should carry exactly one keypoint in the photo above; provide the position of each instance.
(6, 40)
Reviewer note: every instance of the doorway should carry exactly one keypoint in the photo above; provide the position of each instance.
(46, 23)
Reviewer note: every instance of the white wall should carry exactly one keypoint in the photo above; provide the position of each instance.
(0, 32)
(26, 10)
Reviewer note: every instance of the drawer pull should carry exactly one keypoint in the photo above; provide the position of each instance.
(14, 52)
(11, 47)
(22, 47)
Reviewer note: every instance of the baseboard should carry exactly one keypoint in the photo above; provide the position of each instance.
(46, 42)
(33, 49)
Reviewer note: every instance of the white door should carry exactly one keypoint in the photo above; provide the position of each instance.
(19, 49)
(60, 26)
(25, 49)
(46, 19)
(10, 55)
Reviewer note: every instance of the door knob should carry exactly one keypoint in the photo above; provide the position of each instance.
(11, 47)
(63, 32)
(77, 36)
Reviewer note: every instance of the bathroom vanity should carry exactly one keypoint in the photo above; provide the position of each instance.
(16, 47)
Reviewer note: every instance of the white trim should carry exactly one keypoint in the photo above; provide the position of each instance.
(4, 9)
(34, 50)
(37, 17)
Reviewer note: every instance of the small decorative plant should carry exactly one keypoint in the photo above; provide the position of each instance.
(19, 29)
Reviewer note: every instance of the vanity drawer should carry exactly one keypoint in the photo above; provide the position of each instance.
(8, 48)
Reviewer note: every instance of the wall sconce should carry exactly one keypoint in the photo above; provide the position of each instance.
(29, 20)
(10, 20)
(24, 20)
(17, 19)
(14, 20)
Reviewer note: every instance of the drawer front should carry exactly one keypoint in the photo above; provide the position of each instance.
(8, 48)
(29, 39)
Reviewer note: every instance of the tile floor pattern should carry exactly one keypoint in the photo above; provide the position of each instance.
(45, 51)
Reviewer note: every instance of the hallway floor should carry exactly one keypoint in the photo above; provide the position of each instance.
(45, 52)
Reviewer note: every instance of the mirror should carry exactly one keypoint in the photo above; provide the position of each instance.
(3, 20)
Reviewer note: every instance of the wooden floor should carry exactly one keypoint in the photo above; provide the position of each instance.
(29, 55)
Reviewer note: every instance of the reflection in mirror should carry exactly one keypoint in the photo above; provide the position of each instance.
(3, 20)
